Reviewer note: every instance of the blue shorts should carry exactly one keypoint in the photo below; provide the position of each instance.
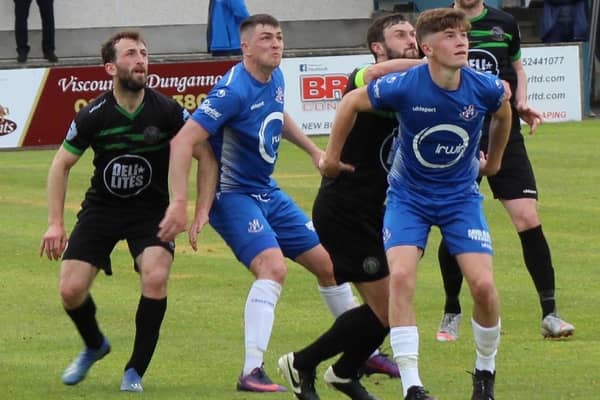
(251, 223)
(409, 217)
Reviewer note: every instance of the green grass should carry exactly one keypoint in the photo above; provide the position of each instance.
(201, 347)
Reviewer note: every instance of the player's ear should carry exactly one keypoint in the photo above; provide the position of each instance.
(377, 48)
(110, 68)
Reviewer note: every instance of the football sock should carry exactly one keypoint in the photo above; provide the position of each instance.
(487, 340)
(259, 315)
(536, 253)
(84, 318)
(338, 338)
(148, 318)
(339, 299)
(363, 339)
(405, 346)
(452, 277)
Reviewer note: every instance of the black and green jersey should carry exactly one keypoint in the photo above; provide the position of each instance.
(368, 148)
(494, 44)
(131, 149)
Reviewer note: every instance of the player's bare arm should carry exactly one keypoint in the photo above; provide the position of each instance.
(54, 240)
(206, 183)
(380, 69)
(180, 160)
(352, 103)
(292, 132)
(528, 114)
(498, 137)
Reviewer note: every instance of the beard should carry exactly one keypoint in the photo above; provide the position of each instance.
(412, 52)
(129, 83)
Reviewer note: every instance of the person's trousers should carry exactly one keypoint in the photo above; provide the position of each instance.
(21, 31)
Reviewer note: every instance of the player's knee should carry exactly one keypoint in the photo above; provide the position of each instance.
(401, 279)
(72, 293)
(484, 292)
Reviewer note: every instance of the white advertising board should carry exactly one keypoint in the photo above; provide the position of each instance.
(19, 89)
(554, 81)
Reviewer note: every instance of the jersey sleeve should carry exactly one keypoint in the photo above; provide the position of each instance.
(495, 93)
(220, 106)
(387, 91)
(514, 45)
(79, 135)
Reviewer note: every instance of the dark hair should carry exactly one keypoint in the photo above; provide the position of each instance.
(108, 51)
(258, 19)
(440, 19)
(381, 23)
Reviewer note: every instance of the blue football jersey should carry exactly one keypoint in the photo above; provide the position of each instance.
(438, 152)
(244, 118)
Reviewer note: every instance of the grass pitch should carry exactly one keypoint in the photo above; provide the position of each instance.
(200, 351)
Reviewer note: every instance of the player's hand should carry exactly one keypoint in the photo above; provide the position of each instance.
(485, 168)
(174, 221)
(195, 230)
(532, 117)
(331, 169)
(53, 242)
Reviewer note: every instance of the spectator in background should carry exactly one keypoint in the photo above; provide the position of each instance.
(222, 32)
(564, 21)
(47, 15)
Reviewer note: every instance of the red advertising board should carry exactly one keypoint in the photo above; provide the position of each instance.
(67, 90)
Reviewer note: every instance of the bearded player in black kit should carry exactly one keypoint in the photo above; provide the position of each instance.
(129, 129)
(348, 216)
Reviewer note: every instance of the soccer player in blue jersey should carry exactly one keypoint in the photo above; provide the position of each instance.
(433, 181)
(243, 117)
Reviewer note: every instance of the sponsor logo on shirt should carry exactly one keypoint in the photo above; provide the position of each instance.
(257, 105)
(127, 175)
(483, 61)
(424, 109)
(207, 109)
(440, 146)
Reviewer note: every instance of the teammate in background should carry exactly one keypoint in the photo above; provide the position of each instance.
(441, 107)
(348, 216)
(496, 49)
(129, 129)
(244, 120)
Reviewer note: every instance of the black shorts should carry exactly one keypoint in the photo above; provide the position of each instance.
(352, 236)
(516, 179)
(98, 229)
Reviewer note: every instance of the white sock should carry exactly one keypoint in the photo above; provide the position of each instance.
(259, 315)
(405, 346)
(339, 299)
(487, 341)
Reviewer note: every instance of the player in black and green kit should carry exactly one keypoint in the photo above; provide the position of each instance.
(129, 129)
(495, 48)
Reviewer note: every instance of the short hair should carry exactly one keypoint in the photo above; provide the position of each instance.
(440, 19)
(258, 19)
(381, 23)
(108, 51)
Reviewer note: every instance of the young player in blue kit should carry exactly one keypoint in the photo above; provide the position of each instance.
(441, 107)
(243, 117)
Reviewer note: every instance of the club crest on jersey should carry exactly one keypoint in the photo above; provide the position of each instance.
(279, 95)
(468, 113)
(127, 175)
(497, 34)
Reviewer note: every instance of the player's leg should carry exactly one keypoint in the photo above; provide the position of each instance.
(241, 222)
(153, 260)
(90, 245)
(466, 233)
(515, 186)
(478, 272)
(452, 278)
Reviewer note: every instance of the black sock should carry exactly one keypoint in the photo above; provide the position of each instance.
(84, 318)
(363, 341)
(148, 319)
(539, 264)
(452, 277)
(334, 341)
